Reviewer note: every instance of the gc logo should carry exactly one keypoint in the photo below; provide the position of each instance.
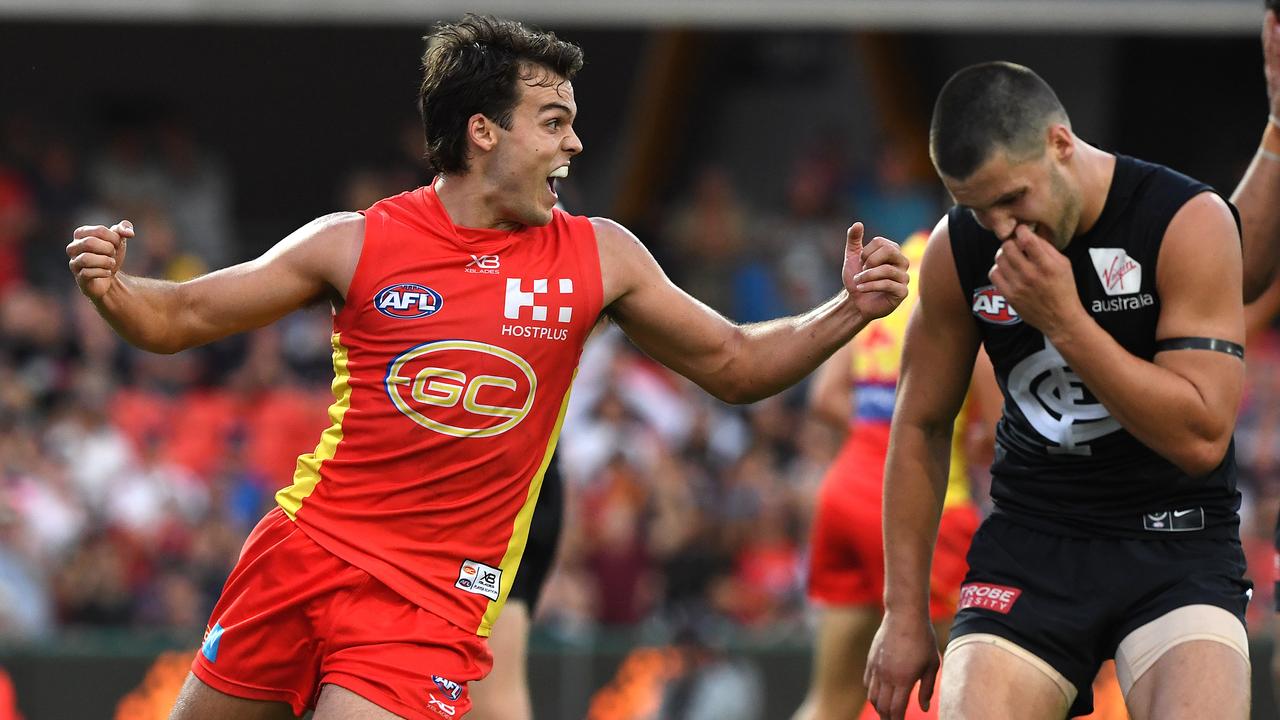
(424, 384)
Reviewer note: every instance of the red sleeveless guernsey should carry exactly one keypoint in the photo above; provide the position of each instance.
(453, 357)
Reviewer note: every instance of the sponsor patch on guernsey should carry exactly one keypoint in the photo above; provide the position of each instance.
(406, 301)
(1118, 273)
(212, 639)
(451, 689)
(440, 707)
(1184, 520)
(988, 597)
(479, 579)
(990, 305)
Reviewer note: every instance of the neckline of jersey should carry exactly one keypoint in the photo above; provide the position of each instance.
(1117, 197)
(468, 238)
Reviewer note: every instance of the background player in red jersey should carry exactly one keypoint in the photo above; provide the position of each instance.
(366, 620)
(846, 561)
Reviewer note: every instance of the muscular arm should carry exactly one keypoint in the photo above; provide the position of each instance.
(937, 363)
(1182, 405)
(166, 317)
(1259, 313)
(831, 393)
(738, 363)
(1258, 194)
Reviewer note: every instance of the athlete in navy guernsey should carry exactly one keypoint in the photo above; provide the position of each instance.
(1108, 293)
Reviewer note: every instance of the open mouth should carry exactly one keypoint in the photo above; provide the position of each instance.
(557, 174)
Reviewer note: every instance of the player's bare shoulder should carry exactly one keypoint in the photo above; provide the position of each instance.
(328, 246)
(937, 264)
(624, 260)
(1201, 242)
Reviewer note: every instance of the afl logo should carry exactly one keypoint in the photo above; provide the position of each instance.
(407, 300)
(462, 388)
(991, 306)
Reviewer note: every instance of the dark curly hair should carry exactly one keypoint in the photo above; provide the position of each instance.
(472, 66)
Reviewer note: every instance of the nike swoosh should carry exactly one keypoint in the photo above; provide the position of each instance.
(1180, 513)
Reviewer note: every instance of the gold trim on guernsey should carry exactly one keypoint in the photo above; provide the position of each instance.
(520, 532)
(958, 479)
(307, 474)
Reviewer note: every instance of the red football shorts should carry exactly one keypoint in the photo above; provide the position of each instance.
(846, 555)
(293, 617)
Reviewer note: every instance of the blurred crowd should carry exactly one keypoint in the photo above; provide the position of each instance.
(128, 480)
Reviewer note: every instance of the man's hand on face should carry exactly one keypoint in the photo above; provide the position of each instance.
(1037, 281)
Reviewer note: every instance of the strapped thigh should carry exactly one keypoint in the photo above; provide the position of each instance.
(1141, 648)
(1064, 685)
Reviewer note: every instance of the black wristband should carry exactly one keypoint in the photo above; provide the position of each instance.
(1201, 343)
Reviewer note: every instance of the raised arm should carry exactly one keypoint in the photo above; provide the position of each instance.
(1258, 194)
(937, 364)
(1183, 404)
(1261, 311)
(313, 262)
(742, 363)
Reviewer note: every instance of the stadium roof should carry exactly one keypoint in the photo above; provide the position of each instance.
(1127, 16)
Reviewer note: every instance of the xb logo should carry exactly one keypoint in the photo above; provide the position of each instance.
(1051, 397)
(440, 707)
(425, 384)
(487, 264)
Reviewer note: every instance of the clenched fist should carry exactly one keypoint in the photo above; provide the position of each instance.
(875, 274)
(97, 253)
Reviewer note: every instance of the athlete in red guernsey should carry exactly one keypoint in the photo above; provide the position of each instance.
(453, 358)
(460, 310)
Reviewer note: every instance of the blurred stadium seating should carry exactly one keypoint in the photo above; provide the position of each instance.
(737, 137)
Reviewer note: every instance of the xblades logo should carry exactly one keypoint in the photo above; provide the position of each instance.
(487, 264)
(479, 579)
(440, 707)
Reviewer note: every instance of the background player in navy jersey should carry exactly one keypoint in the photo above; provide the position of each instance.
(1115, 531)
